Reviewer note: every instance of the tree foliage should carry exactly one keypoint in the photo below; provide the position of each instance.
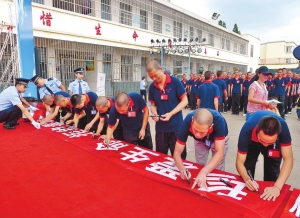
(236, 29)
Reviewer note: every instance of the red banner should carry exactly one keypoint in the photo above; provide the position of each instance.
(291, 201)
(162, 168)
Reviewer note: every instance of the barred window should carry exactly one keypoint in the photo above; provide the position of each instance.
(234, 47)
(177, 71)
(191, 32)
(288, 49)
(105, 9)
(242, 49)
(199, 35)
(211, 40)
(126, 68)
(125, 14)
(251, 51)
(177, 29)
(143, 18)
(227, 44)
(157, 23)
(223, 44)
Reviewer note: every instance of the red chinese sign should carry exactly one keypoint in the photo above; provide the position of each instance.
(217, 53)
(205, 51)
(135, 35)
(97, 28)
(46, 18)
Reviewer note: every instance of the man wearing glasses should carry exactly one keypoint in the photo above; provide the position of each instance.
(209, 129)
(268, 134)
(11, 105)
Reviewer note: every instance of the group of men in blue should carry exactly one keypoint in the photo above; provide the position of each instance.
(264, 132)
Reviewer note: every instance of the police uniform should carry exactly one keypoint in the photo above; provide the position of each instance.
(249, 144)
(51, 86)
(219, 131)
(132, 124)
(9, 99)
(78, 86)
(166, 100)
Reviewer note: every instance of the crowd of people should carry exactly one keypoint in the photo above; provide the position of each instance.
(125, 117)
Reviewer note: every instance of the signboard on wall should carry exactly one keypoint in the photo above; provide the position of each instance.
(100, 84)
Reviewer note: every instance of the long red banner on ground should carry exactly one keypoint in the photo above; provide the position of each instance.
(162, 168)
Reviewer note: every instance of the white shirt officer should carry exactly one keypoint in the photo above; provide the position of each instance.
(78, 86)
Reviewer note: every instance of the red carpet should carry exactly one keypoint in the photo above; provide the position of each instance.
(43, 176)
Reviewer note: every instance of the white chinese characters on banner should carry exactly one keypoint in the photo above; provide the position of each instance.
(137, 156)
(219, 186)
(66, 130)
(168, 168)
(113, 145)
(77, 133)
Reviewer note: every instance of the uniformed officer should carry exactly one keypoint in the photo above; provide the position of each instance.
(11, 107)
(103, 106)
(209, 129)
(54, 110)
(47, 86)
(85, 103)
(133, 112)
(267, 133)
(78, 86)
(168, 98)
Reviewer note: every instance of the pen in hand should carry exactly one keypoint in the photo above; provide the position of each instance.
(251, 177)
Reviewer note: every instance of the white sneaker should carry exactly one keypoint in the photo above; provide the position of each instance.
(289, 112)
(244, 115)
(285, 115)
(224, 112)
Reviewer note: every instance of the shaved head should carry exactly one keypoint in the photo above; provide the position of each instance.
(153, 65)
(59, 98)
(47, 98)
(101, 101)
(203, 117)
(121, 99)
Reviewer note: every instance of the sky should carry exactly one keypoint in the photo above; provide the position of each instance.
(269, 20)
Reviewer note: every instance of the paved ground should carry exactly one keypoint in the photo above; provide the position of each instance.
(234, 124)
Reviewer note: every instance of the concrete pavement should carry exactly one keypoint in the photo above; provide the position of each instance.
(235, 124)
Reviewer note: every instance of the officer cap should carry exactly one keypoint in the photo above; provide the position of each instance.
(22, 81)
(264, 70)
(35, 78)
(296, 52)
(79, 70)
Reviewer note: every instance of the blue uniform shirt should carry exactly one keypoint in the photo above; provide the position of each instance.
(296, 82)
(228, 82)
(236, 83)
(207, 92)
(184, 83)
(194, 86)
(52, 84)
(246, 85)
(129, 124)
(74, 87)
(270, 87)
(222, 86)
(279, 86)
(9, 98)
(218, 132)
(290, 84)
(175, 91)
(248, 134)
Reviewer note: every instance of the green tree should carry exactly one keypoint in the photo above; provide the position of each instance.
(220, 22)
(236, 29)
(224, 24)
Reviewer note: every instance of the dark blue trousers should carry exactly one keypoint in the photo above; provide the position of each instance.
(11, 115)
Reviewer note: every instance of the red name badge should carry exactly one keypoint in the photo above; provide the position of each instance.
(164, 97)
(131, 114)
(274, 153)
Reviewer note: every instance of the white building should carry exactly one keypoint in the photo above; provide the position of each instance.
(278, 54)
(114, 37)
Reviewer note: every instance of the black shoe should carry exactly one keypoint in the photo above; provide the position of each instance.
(9, 126)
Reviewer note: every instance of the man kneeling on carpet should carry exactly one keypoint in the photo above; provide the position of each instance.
(11, 105)
(209, 129)
(132, 111)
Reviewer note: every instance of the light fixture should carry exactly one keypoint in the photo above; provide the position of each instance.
(163, 41)
(167, 51)
(204, 39)
(151, 51)
(185, 39)
(199, 50)
(196, 39)
(215, 16)
(191, 39)
(169, 40)
(158, 51)
(157, 41)
(174, 40)
(152, 41)
(193, 50)
(179, 39)
(180, 50)
(174, 51)
(186, 50)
